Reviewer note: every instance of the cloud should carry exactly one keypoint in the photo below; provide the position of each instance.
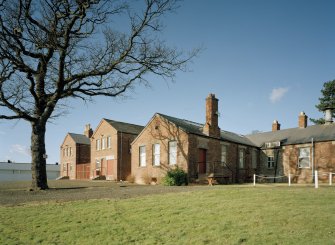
(20, 149)
(277, 94)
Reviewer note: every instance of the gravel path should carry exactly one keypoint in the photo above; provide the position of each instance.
(17, 193)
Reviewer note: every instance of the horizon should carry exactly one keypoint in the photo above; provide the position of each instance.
(264, 61)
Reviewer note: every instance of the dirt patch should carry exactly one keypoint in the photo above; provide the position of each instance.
(17, 193)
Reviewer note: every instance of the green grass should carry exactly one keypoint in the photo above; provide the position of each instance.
(223, 215)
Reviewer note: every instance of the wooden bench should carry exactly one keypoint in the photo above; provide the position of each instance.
(217, 179)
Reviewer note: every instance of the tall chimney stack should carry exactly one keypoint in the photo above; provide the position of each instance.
(88, 131)
(211, 127)
(302, 120)
(275, 125)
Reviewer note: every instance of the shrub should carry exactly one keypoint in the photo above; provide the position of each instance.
(130, 178)
(146, 178)
(175, 176)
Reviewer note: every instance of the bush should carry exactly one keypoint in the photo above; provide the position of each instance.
(175, 176)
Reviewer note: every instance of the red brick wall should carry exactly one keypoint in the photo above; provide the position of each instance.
(115, 160)
(160, 132)
(79, 154)
(324, 162)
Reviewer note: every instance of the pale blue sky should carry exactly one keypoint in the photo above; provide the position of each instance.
(264, 60)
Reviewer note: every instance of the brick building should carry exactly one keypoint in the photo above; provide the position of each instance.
(200, 149)
(75, 155)
(297, 151)
(117, 150)
(110, 149)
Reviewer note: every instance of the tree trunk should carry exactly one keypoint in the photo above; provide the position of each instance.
(38, 155)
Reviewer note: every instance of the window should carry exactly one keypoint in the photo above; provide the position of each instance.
(98, 144)
(223, 154)
(271, 162)
(254, 159)
(64, 152)
(108, 142)
(304, 157)
(103, 143)
(97, 165)
(67, 152)
(143, 160)
(156, 154)
(172, 152)
(241, 158)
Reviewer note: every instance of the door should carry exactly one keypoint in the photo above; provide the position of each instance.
(202, 161)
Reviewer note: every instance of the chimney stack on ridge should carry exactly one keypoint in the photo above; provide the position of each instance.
(211, 127)
(302, 120)
(88, 131)
(275, 125)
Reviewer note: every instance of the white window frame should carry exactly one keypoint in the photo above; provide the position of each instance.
(223, 154)
(241, 158)
(97, 165)
(304, 157)
(98, 144)
(103, 143)
(173, 152)
(109, 142)
(156, 154)
(143, 156)
(270, 162)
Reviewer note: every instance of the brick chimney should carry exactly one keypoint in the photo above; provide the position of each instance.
(88, 131)
(275, 125)
(302, 120)
(211, 127)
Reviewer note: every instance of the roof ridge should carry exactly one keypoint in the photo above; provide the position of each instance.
(186, 120)
(295, 128)
(122, 122)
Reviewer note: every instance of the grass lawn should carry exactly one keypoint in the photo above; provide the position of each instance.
(221, 215)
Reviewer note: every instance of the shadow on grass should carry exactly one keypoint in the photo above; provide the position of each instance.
(67, 188)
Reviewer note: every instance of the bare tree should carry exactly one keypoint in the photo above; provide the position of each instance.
(51, 50)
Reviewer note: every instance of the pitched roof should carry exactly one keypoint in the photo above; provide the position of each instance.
(80, 138)
(295, 135)
(197, 128)
(125, 127)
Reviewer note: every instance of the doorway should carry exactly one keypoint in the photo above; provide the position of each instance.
(202, 161)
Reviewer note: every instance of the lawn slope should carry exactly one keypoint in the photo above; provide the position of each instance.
(222, 215)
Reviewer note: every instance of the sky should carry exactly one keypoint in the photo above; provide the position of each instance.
(264, 60)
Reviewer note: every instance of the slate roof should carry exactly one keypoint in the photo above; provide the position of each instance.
(295, 135)
(125, 127)
(80, 138)
(196, 128)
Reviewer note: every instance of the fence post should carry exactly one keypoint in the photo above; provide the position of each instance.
(289, 179)
(254, 179)
(316, 179)
(330, 178)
